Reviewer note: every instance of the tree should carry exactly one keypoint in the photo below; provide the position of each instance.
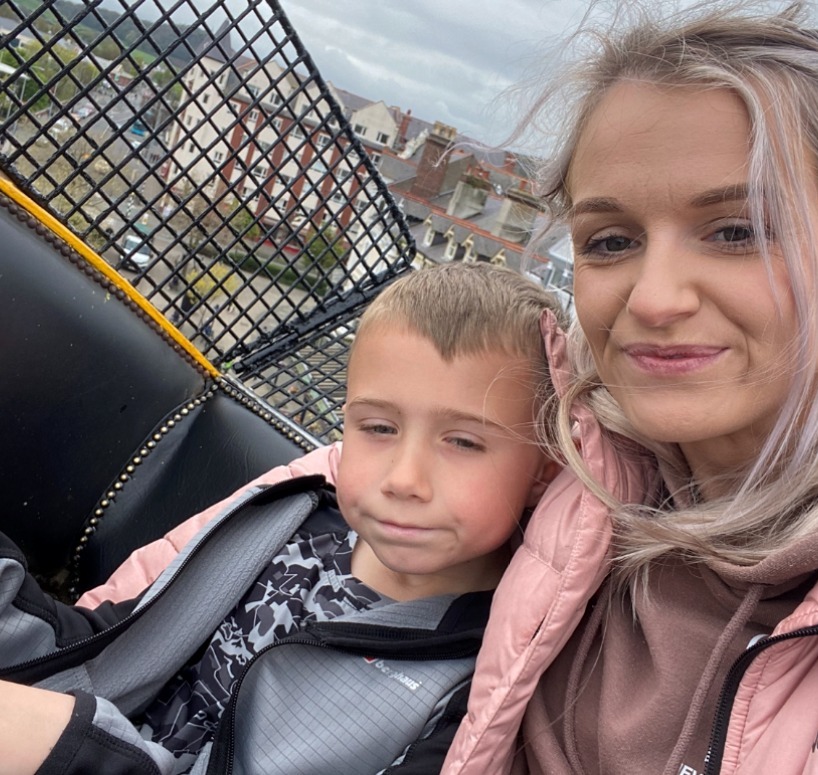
(107, 48)
(326, 248)
(243, 223)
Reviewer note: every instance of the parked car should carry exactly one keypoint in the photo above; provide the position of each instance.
(135, 251)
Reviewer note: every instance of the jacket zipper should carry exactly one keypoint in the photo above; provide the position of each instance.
(112, 631)
(724, 707)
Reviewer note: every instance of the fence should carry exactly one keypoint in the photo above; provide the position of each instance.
(194, 145)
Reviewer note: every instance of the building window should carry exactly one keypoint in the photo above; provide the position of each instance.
(297, 132)
(205, 98)
(359, 129)
(429, 236)
(252, 89)
(451, 249)
(190, 147)
(323, 140)
(383, 138)
(218, 156)
(253, 115)
(260, 171)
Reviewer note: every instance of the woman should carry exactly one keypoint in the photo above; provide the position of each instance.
(688, 180)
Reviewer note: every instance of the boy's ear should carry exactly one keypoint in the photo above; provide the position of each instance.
(547, 473)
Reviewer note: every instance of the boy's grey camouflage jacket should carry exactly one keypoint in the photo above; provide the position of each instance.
(378, 691)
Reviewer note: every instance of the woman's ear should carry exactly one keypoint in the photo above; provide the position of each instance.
(547, 473)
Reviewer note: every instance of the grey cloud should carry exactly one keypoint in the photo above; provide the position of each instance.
(447, 61)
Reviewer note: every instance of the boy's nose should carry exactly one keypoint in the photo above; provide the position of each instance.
(407, 475)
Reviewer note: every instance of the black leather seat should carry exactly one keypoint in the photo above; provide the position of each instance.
(110, 433)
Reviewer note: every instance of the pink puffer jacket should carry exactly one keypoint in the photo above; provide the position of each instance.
(771, 713)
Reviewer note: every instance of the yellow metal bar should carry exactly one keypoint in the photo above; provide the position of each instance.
(10, 190)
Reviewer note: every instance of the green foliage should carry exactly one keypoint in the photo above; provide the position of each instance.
(107, 48)
(326, 248)
(243, 222)
(282, 274)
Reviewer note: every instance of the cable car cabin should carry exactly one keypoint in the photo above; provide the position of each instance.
(114, 427)
(130, 401)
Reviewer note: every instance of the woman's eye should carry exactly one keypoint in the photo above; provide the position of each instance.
(607, 244)
(737, 232)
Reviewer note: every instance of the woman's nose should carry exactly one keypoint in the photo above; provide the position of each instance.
(662, 291)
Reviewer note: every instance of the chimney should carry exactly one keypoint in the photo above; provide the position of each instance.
(515, 220)
(403, 130)
(433, 163)
(469, 198)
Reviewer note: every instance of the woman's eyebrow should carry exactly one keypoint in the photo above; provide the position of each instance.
(735, 193)
(594, 204)
(732, 193)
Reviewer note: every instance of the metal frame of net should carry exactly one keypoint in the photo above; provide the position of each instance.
(194, 145)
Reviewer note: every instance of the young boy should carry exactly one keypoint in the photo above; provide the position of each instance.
(351, 650)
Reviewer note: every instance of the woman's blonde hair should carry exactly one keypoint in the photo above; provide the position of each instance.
(770, 60)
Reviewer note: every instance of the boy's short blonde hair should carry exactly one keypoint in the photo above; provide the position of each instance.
(468, 309)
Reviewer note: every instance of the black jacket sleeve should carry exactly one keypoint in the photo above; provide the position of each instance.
(34, 625)
(84, 749)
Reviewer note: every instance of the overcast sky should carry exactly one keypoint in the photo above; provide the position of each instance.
(447, 60)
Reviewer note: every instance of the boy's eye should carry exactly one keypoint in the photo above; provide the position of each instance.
(377, 429)
(465, 443)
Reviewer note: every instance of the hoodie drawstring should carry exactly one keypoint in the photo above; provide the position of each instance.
(734, 626)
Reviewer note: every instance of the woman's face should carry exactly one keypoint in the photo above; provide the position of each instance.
(688, 333)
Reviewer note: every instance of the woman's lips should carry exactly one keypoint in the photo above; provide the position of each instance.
(673, 360)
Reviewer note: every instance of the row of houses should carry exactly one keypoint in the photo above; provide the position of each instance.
(257, 129)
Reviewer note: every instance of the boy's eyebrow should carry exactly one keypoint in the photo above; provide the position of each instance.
(600, 204)
(446, 413)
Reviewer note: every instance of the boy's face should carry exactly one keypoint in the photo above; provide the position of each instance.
(439, 462)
